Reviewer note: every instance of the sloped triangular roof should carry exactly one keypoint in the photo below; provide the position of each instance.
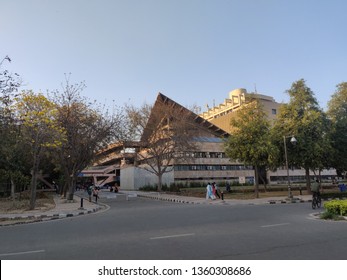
(201, 123)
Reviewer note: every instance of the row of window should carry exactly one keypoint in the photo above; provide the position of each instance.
(203, 155)
(297, 178)
(248, 180)
(204, 167)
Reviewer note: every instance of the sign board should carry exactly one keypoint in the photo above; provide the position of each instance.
(242, 180)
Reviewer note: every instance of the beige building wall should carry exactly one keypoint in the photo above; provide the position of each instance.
(222, 114)
(216, 166)
(133, 178)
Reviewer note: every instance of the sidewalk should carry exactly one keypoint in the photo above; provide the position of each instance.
(64, 209)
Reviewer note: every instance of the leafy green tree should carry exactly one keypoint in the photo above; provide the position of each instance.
(12, 156)
(39, 131)
(337, 112)
(305, 120)
(250, 142)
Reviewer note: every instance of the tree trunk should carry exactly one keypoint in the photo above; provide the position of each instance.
(65, 188)
(66, 184)
(256, 173)
(13, 188)
(308, 180)
(34, 181)
(160, 177)
(262, 177)
(33, 190)
(71, 188)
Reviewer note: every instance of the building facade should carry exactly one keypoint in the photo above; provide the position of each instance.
(221, 114)
(206, 163)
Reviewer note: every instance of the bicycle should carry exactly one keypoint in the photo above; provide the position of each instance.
(316, 201)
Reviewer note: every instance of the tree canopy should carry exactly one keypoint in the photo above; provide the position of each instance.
(39, 130)
(250, 142)
(337, 113)
(302, 118)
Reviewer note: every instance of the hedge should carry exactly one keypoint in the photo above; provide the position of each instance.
(338, 207)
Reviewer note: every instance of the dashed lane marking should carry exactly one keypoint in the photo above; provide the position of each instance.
(22, 253)
(172, 236)
(275, 225)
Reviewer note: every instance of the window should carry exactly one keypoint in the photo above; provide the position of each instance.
(274, 111)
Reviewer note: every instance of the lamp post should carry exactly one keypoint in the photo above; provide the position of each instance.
(293, 141)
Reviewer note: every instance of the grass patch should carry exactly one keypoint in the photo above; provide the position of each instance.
(331, 216)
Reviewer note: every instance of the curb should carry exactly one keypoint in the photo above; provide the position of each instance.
(287, 202)
(47, 217)
(224, 202)
(176, 200)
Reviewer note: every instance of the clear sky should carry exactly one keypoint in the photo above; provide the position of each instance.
(193, 51)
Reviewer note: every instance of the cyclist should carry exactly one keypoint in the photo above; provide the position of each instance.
(315, 189)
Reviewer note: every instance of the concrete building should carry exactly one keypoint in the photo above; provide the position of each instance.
(221, 114)
(120, 163)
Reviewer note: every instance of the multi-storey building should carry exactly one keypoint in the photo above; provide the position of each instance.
(221, 115)
(207, 162)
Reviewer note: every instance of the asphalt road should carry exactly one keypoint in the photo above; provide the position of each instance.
(151, 229)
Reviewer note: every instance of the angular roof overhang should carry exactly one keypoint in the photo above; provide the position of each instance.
(163, 102)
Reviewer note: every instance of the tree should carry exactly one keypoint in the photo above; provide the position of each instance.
(9, 83)
(167, 135)
(39, 131)
(137, 119)
(303, 118)
(337, 113)
(11, 154)
(250, 142)
(87, 128)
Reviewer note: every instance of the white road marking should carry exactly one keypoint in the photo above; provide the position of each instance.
(172, 236)
(22, 253)
(275, 225)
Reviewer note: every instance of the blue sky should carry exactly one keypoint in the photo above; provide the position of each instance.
(193, 51)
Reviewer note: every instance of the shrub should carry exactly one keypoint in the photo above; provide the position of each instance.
(337, 207)
(334, 195)
(330, 216)
(148, 188)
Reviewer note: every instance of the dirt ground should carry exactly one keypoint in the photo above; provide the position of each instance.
(21, 204)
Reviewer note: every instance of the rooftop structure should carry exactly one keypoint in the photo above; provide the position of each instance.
(221, 114)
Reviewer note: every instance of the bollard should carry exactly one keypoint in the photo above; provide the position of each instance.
(81, 208)
(222, 195)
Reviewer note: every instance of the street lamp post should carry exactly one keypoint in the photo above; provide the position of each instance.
(293, 141)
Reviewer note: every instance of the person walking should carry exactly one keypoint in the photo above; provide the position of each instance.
(215, 190)
(90, 192)
(96, 194)
(227, 187)
(209, 191)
